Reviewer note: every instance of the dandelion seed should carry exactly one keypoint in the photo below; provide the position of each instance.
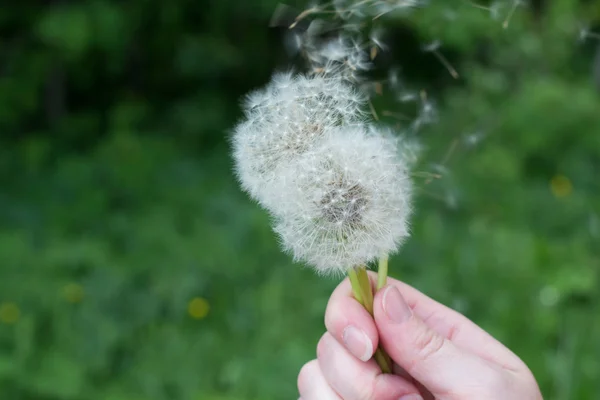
(434, 49)
(515, 4)
(481, 7)
(373, 111)
(303, 15)
(585, 33)
(382, 8)
(394, 78)
(408, 97)
(344, 57)
(427, 113)
(375, 37)
(335, 50)
(396, 115)
(494, 8)
(449, 152)
(281, 15)
(373, 52)
(473, 139)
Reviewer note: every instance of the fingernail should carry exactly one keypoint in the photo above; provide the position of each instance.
(411, 397)
(394, 305)
(358, 343)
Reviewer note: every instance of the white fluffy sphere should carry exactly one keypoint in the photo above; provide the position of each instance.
(346, 202)
(285, 120)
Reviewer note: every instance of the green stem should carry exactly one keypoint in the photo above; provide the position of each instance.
(366, 288)
(382, 272)
(355, 285)
(363, 292)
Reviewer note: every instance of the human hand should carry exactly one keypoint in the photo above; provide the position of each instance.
(438, 353)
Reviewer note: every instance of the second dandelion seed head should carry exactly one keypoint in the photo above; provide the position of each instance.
(285, 120)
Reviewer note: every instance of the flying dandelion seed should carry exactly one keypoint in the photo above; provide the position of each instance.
(515, 5)
(493, 9)
(585, 33)
(433, 48)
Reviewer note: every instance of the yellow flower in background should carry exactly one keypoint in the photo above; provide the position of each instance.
(198, 308)
(73, 292)
(9, 313)
(561, 186)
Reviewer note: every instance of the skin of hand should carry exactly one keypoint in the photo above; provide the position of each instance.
(438, 353)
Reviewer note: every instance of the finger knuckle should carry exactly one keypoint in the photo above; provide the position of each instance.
(361, 389)
(428, 343)
(305, 375)
(368, 391)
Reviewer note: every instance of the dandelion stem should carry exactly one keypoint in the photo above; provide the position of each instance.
(382, 272)
(355, 285)
(363, 292)
(366, 289)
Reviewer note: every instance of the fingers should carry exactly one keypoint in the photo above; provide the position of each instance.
(350, 324)
(312, 384)
(344, 311)
(432, 345)
(458, 328)
(353, 379)
(428, 356)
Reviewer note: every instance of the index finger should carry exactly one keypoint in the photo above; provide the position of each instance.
(350, 324)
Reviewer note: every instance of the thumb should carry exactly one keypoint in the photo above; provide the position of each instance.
(428, 357)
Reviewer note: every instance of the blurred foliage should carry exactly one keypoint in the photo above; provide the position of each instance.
(133, 268)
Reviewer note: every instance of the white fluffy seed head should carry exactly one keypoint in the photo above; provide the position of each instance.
(345, 203)
(285, 120)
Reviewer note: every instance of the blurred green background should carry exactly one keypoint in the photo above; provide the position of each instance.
(133, 268)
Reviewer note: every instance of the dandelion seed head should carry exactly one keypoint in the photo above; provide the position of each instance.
(345, 202)
(286, 119)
